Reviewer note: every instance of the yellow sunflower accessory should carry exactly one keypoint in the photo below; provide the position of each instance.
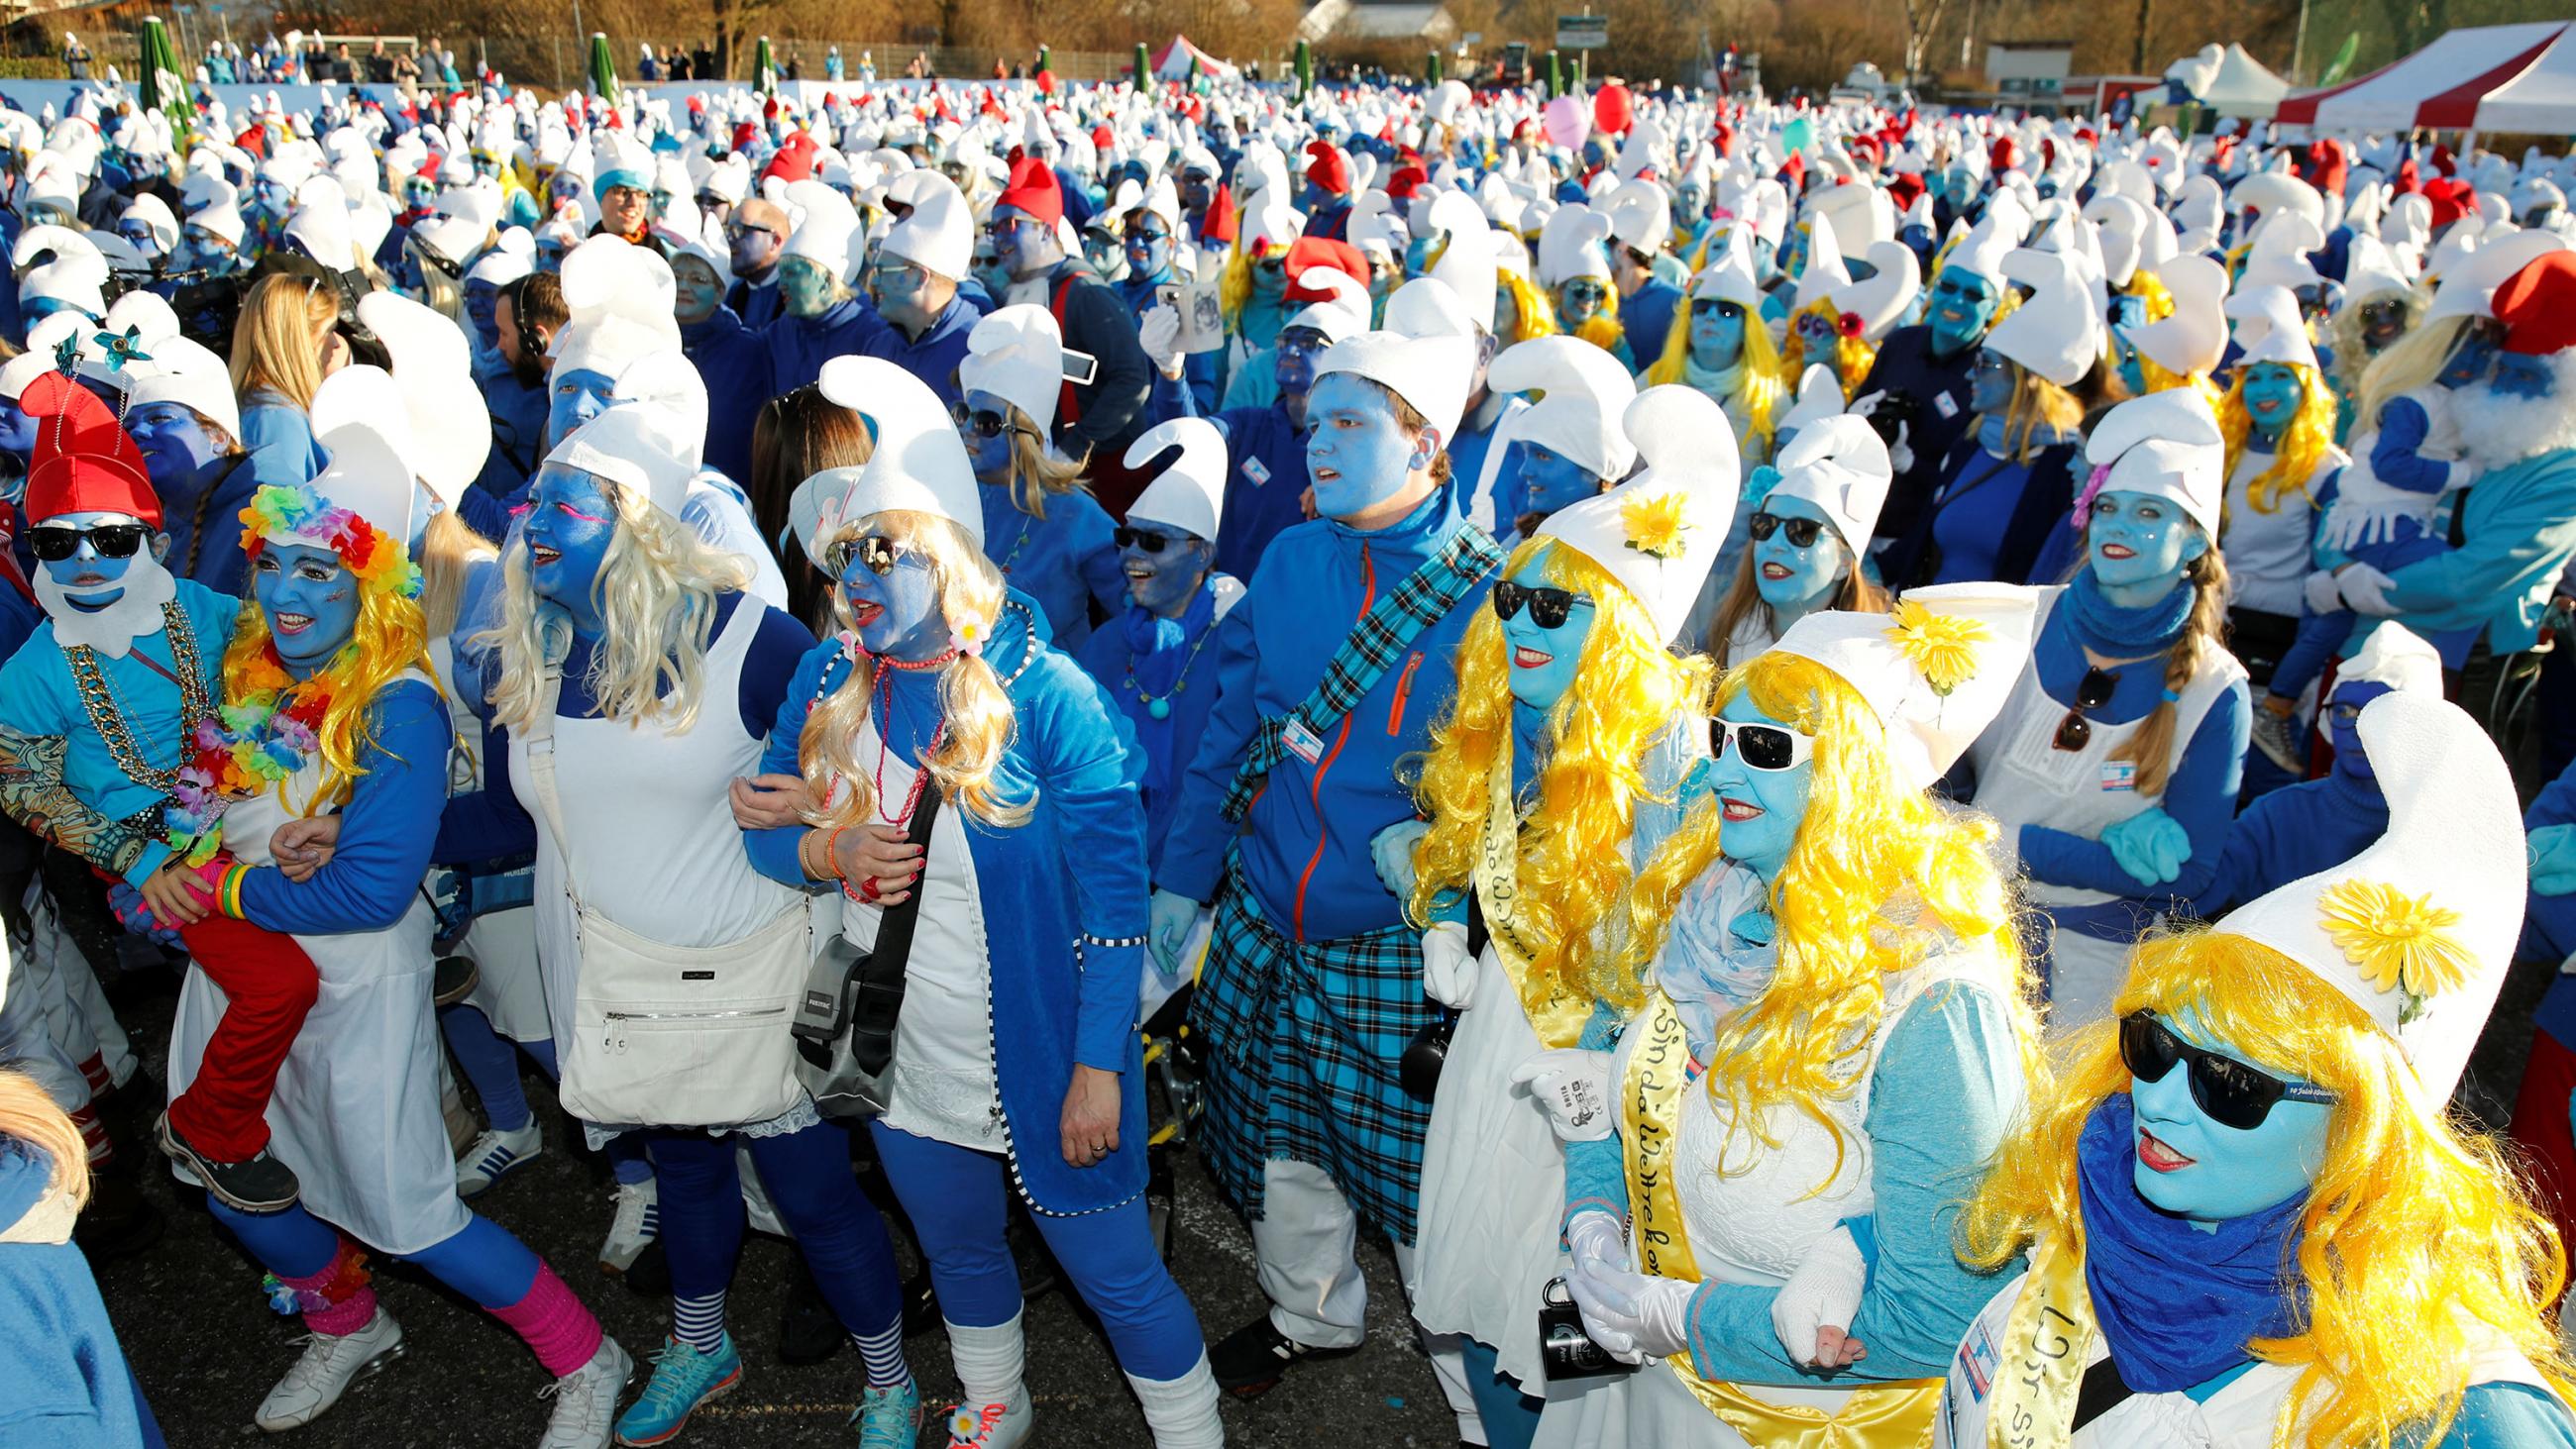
(1655, 525)
(1942, 646)
(2398, 942)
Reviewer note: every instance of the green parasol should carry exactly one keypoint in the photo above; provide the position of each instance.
(1305, 69)
(764, 69)
(162, 84)
(1431, 68)
(603, 68)
(1144, 67)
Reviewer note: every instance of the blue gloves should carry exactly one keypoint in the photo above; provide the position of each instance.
(1167, 928)
(2553, 860)
(2150, 845)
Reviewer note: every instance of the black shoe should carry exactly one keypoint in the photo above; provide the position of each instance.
(119, 1221)
(1253, 1358)
(649, 1276)
(454, 979)
(808, 1332)
(920, 1305)
(262, 1184)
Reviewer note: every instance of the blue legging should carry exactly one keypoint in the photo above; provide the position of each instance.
(480, 1260)
(817, 1195)
(491, 1063)
(957, 1199)
(1510, 1416)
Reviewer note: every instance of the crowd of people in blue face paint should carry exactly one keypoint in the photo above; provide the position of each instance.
(1143, 480)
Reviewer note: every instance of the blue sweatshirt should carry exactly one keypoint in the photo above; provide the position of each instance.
(64, 1383)
(799, 346)
(1265, 483)
(733, 361)
(2293, 832)
(1066, 560)
(1306, 854)
(1174, 673)
(934, 356)
(2519, 530)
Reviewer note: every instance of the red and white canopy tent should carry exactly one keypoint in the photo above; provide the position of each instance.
(2508, 78)
(1172, 62)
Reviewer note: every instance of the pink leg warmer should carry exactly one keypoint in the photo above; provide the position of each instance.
(340, 1299)
(561, 1332)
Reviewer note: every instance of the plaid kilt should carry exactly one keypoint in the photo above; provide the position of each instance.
(1304, 1045)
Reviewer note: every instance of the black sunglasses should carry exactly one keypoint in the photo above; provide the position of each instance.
(53, 542)
(2232, 1093)
(1143, 539)
(1715, 307)
(986, 422)
(1547, 607)
(2091, 692)
(1586, 292)
(875, 550)
(1803, 532)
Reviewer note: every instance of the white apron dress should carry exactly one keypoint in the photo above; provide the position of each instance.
(2024, 779)
(1752, 1227)
(355, 1113)
(510, 994)
(2240, 1416)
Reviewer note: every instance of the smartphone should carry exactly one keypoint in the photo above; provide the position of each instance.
(1080, 368)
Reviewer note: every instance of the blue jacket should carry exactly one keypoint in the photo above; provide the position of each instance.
(799, 346)
(1647, 320)
(733, 361)
(2294, 832)
(1173, 673)
(2549, 922)
(2519, 527)
(1905, 367)
(756, 303)
(1306, 854)
(1054, 887)
(1066, 561)
(934, 356)
(64, 1382)
(1265, 479)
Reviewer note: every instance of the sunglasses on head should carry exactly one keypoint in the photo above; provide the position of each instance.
(1765, 747)
(1142, 539)
(2232, 1093)
(875, 550)
(1547, 607)
(1803, 532)
(2091, 692)
(984, 422)
(54, 542)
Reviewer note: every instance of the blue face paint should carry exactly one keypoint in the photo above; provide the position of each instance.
(1543, 661)
(311, 601)
(570, 523)
(1020, 245)
(1716, 334)
(1149, 254)
(2132, 365)
(88, 578)
(480, 296)
(1550, 480)
(1962, 308)
(1796, 581)
(2212, 1173)
(17, 430)
(2343, 726)
(895, 613)
(2272, 395)
(1579, 299)
(1163, 581)
(1690, 201)
(1766, 258)
(2470, 361)
(804, 287)
(2140, 544)
(991, 456)
(174, 445)
(1357, 454)
(696, 293)
(1294, 359)
(576, 398)
(1990, 384)
(1759, 810)
(2520, 375)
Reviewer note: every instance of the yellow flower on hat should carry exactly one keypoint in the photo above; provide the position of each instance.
(1942, 646)
(1655, 525)
(2398, 942)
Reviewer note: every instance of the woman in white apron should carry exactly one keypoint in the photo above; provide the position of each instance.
(327, 709)
(1557, 769)
(637, 681)
(1016, 1063)
(1835, 947)
(2113, 768)
(2249, 1222)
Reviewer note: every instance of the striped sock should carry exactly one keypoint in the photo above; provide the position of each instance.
(699, 1322)
(883, 1352)
(94, 1137)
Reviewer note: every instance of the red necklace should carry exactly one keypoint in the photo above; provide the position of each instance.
(921, 772)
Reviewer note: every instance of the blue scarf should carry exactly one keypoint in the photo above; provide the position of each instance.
(1990, 435)
(2125, 633)
(1157, 647)
(2176, 1305)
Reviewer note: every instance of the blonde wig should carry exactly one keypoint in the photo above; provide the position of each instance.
(1531, 314)
(1038, 472)
(387, 640)
(656, 595)
(2204, 636)
(1602, 328)
(2412, 361)
(980, 717)
(1573, 869)
(2352, 354)
(449, 550)
(1853, 354)
(2419, 1245)
(2305, 439)
(27, 1115)
(1766, 377)
(2038, 404)
(277, 344)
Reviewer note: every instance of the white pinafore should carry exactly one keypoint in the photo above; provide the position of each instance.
(510, 994)
(2024, 779)
(355, 1113)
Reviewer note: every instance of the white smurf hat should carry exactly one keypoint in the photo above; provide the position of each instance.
(919, 465)
(1190, 494)
(1588, 393)
(1659, 532)
(2269, 327)
(2194, 337)
(637, 446)
(2166, 445)
(1432, 374)
(2056, 333)
(1016, 353)
(1936, 671)
(2396, 656)
(1840, 465)
(359, 423)
(2417, 929)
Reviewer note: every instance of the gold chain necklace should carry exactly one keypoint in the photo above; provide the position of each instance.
(107, 716)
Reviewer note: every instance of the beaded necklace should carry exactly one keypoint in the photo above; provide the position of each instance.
(107, 713)
(884, 704)
(1160, 705)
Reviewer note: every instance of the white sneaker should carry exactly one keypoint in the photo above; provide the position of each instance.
(637, 1223)
(992, 1426)
(492, 1156)
(585, 1415)
(326, 1370)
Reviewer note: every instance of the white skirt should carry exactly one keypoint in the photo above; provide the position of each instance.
(512, 992)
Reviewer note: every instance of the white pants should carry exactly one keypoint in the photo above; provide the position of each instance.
(1305, 1244)
(67, 990)
(26, 1041)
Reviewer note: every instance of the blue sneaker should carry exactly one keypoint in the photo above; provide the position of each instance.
(683, 1378)
(889, 1418)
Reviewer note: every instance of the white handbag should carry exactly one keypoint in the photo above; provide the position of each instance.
(671, 1036)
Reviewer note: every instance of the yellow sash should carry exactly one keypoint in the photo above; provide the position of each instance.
(2047, 1342)
(1894, 1416)
(1557, 1017)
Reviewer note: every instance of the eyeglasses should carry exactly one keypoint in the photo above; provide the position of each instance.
(875, 550)
(1547, 607)
(2232, 1093)
(1764, 747)
(1802, 531)
(985, 422)
(54, 542)
(737, 230)
(1142, 539)
(2091, 692)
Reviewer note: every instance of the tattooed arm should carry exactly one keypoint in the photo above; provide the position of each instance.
(33, 794)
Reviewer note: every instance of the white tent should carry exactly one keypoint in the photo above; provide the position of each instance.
(2511, 78)
(1173, 62)
(2229, 81)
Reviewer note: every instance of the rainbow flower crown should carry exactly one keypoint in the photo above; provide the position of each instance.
(278, 514)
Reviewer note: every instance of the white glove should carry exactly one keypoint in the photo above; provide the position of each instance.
(2365, 591)
(1448, 969)
(1573, 1085)
(1597, 1241)
(1168, 917)
(1633, 1317)
(1159, 333)
(1391, 851)
(2324, 591)
(1867, 403)
(1823, 1293)
(1900, 454)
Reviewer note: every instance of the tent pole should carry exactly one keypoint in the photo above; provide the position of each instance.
(2299, 45)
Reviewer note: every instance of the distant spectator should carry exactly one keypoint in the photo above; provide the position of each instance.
(702, 62)
(647, 69)
(75, 56)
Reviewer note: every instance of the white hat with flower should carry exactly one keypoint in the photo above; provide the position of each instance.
(1936, 671)
(1658, 533)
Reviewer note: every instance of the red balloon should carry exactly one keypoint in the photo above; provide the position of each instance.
(1613, 109)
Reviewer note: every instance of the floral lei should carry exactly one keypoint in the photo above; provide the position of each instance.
(245, 748)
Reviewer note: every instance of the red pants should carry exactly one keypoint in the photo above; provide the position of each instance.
(2542, 1130)
(269, 984)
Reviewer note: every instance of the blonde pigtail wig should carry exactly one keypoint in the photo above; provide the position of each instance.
(2418, 1241)
(2204, 634)
(980, 717)
(1573, 867)
(2305, 438)
(1037, 471)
